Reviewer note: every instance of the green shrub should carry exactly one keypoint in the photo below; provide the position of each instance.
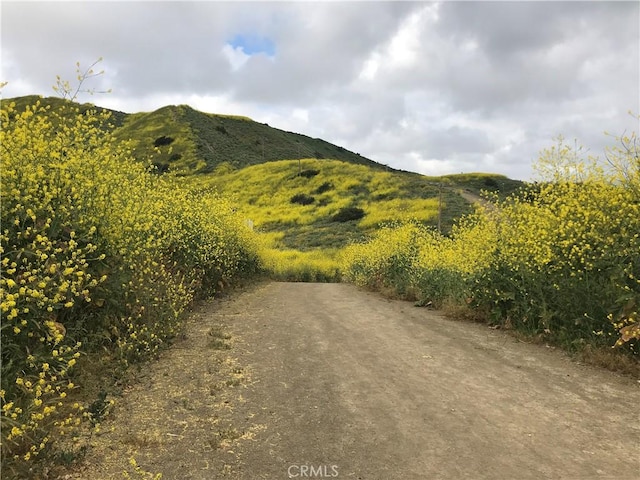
(309, 173)
(164, 140)
(325, 187)
(348, 214)
(302, 199)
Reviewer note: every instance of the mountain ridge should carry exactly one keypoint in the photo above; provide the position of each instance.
(185, 140)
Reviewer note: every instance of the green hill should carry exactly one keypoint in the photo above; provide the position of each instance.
(320, 203)
(182, 139)
(303, 193)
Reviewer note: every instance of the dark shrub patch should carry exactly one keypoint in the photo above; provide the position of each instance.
(221, 129)
(347, 214)
(491, 183)
(308, 173)
(302, 199)
(325, 187)
(162, 141)
(175, 157)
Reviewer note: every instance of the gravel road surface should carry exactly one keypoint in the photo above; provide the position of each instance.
(302, 380)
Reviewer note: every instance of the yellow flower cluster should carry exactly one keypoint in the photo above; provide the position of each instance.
(388, 260)
(139, 472)
(337, 185)
(296, 266)
(98, 253)
(561, 258)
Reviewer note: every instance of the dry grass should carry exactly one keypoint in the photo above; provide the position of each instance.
(610, 359)
(601, 357)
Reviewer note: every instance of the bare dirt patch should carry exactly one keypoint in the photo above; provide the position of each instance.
(285, 380)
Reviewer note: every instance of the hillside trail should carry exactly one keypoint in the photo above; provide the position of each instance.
(302, 380)
(474, 199)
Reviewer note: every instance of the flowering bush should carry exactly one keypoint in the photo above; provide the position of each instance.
(561, 258)
(389, 259)
(97, 255)
(296, 266)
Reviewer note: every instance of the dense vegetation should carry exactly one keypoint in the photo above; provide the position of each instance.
(184, 140)
(309, 209)
(113, 224)
(559, 260)
(279, 197)
(100, 260)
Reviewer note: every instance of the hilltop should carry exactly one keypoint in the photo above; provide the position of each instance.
(303, 193)
(181, 139)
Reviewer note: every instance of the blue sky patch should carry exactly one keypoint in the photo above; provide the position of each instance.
(253, 44)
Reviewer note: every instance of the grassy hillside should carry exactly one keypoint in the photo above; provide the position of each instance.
(477, 183)
(314, 203)
(182, 139)
(241, 142)
(321, 196)
(165, 137)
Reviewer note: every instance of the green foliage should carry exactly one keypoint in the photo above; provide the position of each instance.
(348, 214)
(325, 187)
(160, 141)
(264, 193)
(309, 173)
(302, 199)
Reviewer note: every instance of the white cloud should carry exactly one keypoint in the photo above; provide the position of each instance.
(403, 50)
(301, 115)
(236, 56)
(436, 167)
(432, 87)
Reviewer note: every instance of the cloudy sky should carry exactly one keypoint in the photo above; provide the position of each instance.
(436, 88)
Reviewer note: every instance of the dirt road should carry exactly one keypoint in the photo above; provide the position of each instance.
(328, 381)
